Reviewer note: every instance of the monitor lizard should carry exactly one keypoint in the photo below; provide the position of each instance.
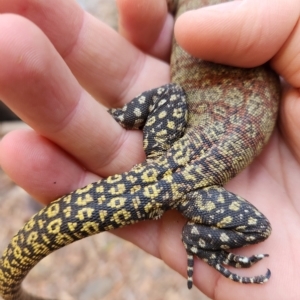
(199, 131)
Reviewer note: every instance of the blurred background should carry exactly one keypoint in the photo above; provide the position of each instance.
(100, 267)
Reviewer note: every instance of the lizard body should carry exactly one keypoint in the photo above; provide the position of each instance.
(199, 132)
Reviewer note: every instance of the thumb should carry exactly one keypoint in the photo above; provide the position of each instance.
(240, 33)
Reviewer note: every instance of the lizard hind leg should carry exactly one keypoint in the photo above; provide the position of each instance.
(162, 114)
(218, 221)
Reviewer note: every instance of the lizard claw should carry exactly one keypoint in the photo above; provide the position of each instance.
(216, 261)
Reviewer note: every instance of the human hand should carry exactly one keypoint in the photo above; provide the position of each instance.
(85, 142)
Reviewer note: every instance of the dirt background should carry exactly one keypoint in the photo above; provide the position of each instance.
(99, 267)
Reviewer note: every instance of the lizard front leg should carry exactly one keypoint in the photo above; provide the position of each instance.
(218, 221)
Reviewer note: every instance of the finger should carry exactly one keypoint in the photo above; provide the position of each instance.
(107, 65)
(37, 84)
(287, 63)
(241, 33)
(53, 172)
(290, 121)
(147, 26)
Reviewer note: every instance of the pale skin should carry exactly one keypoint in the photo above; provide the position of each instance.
(55, 45)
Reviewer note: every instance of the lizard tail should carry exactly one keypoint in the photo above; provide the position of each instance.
(119, 200)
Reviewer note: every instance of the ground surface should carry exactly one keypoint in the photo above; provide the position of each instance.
(101, 267)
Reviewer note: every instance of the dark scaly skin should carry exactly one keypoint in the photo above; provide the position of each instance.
(231, 114)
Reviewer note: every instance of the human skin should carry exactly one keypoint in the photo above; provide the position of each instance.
(48, 64)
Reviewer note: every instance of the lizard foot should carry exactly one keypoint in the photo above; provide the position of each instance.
(217, 260)
(218, 221)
